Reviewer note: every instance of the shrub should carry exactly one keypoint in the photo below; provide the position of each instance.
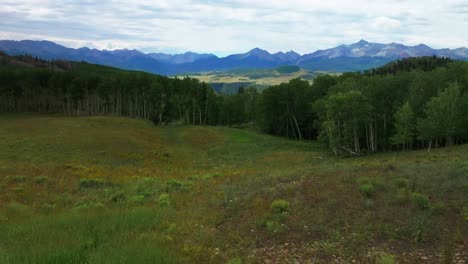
(272, 226)
(367, 190)
(421, 201)
(174, 185)
(92, 184)
(118, 197)
(387, 259)
(279, 207)
(137, 199)
(164, 199)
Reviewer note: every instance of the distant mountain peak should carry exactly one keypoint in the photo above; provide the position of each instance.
(359, 56)
(362, 42)
(258, 51)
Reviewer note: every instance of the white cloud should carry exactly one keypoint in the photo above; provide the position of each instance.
(386, 23)
(227, 26)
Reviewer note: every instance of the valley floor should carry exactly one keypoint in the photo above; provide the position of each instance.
(117, 190)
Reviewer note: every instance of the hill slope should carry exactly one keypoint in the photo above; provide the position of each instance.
(122, 190)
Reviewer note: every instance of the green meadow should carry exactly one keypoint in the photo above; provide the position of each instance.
(120, 190)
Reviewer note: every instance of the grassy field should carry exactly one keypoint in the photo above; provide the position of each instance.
(117, 190)
(259, 77)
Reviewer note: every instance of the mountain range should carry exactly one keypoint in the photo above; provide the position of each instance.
(359, 56)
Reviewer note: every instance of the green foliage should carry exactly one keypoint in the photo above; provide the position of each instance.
(41, 180)
(387, 259)
(405, 104)
(174, 185)
(402, 183)
(88, 226)
(273, 226)
(47, 207)
(465, 213)
(137, 199)
(97, 236)
(421, 201)
(443, 114)
(18, 209)
(288, 69)
(367, 190)
(164, 200)
(279, 207)
(93, 184)
(409, 64)
(235, 261)
(402, 196)
(449, 252)
(405, 125)
(17, 178)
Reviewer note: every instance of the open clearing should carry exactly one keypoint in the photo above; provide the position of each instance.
(118, 190)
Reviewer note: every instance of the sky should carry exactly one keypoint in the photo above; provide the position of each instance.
(235, 26)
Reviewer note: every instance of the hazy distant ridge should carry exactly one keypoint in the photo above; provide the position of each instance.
(355, 57)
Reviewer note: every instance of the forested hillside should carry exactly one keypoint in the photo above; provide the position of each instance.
(414, 103)
(33, 85)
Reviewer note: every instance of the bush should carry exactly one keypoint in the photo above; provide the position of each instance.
(279, 207)
(367, 190)
(272, 226)
(137, 199)
(164, 199)
(174, 185)
(118, 197)
(93, 184)
(421, 201)
(387, 259)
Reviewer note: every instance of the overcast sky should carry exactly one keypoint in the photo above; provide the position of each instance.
(232, 26)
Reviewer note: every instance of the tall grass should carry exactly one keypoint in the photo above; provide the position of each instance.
(91, 236)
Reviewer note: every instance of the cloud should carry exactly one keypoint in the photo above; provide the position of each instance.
(227, 26)
(386, 23)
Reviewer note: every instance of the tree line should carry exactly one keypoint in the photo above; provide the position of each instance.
(355, 113)
(413, 103)
(83, 89)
